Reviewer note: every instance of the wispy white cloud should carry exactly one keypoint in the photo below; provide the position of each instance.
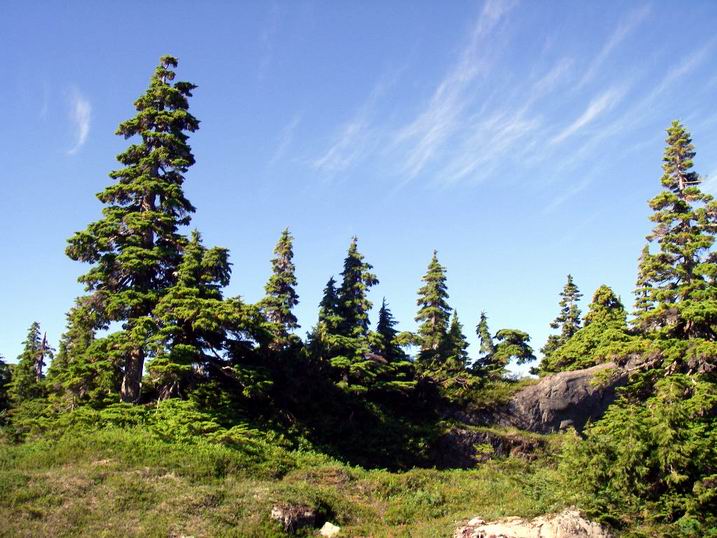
(286, 138)
(357, 135)
(428, 132)
(566, 195)
(80, 115)
(595, 109)
(624, 28)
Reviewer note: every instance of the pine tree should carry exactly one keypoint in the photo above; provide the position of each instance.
(512, 344)
(605, 307)
(386, 344)
(135, 248)
(644, 292)
(433, 315)
(353, 305)
(680, 276)
(605, 326)
(5, 379)
(457, 345)
(192, 317)
(567, 321)
(28, 375)
(484, 363)
(281, 296)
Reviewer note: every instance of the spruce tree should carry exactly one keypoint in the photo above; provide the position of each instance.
(567, 321)
(511, 344)
(386, 344)
(27, 376)
(5, 378)
(676, 285)
(605, 326)
(433, 315)
(281, 296)
(353, 305)
(192, 317)
(457, 345)
(135, 249)
(484, 363)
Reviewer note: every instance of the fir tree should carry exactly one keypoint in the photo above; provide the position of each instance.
(512, 344)
(433, 314)
(484, 363)
(676, 285)
(5, 378)
(281, 296)
(27, 376)
(353, 305)
(567, 321)
(386, 344)
(135, 248)
(192, 317)
(457, 345)
(605, 326)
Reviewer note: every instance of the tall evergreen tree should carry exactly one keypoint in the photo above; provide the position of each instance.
(27, 375)
(484, 363)
(567, 321)
(281, 296)
(433, 314)
(386, 344)
(192, 317)
(353, 304)
(135, 249)
(457, 345)
(680, 276)
(605, 307)
(644, 292)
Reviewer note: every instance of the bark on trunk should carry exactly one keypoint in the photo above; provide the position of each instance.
(132, 380)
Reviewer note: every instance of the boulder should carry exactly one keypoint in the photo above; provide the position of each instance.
(565, 399)
(566, 524)
(329, 530)
(294, 516)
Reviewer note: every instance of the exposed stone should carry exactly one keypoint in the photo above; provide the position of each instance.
(566, 524)
(330, 530)
(294, 516)
(464, 448)
(555, 402)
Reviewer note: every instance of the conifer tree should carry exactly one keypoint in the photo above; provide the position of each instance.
(28, 375)
(136, 247)
(512, 344)
(457, 350)
(567, 321)
(5, 378)
(386, 344)
(281, 296)
(433, 314)
(676, 285)
(484, 363)
(192, 317)
(353, 305)
(605, 326)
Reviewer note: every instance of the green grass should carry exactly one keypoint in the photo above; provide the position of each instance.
(129, 482)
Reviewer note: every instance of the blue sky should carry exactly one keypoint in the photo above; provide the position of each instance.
(519, 139)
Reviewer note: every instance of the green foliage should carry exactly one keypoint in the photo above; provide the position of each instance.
(353, 304)
(433, 316)
(5, 378)
(654, 460)
(567, 321)
(676, 292)
(135, 248)
(281, 296)
(605, 329)
(27, 375)
(512, 345)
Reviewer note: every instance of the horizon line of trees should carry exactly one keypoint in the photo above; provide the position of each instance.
(177, 330)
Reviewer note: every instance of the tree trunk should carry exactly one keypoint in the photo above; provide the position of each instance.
(132, 380)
